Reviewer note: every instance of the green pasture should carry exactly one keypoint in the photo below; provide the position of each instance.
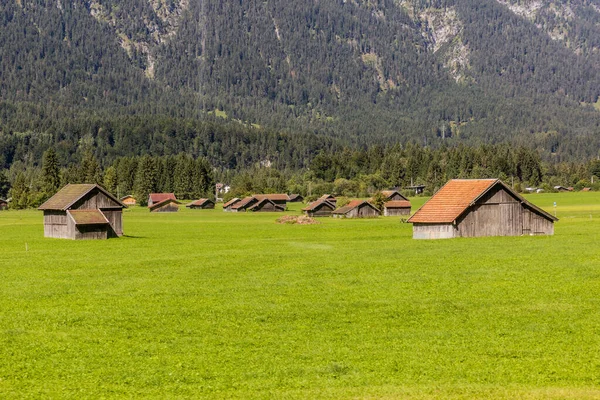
(206, 304)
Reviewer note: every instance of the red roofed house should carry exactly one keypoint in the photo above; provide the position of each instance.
(319, 208)
(227, 206)
(84, 211)
(357, 209)
(479, 207)
(396, 204)
(163, 202)
(203, 204)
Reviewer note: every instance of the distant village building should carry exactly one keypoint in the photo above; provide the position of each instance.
(227, 206)
(203, 204)
(419, 189)
(319, 208)
(357, 209)
(296, 198)
(128, 200)
(163, 202)
(266, 205)
(83, 211)
(479, 207)
(3, 204)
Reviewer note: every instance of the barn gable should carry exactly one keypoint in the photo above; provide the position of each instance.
(357, 209)
(319, 208)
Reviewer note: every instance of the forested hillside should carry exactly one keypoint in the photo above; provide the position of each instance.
(241, 82)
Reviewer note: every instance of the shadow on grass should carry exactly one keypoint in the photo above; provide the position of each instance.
(134, 237)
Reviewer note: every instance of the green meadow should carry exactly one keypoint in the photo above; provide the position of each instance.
(206, 304)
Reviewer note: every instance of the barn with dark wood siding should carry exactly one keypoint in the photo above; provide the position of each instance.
(296, 198)
(266, 205)
(163, 202)
(83, 211)
(227, 206)
(202, 204)
(479, 207)
(330, 198)
(244, 204)
(319, 208)
(396, 204)
(357, 209)
(277, 198)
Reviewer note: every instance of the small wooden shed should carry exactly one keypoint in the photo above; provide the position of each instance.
(479, 207)
(227, 206)
(396, 207)
(329, 198)
(128, 200)
(392, 195)
(319, 208)
(202, 204)
(357, 209)
(163, 202)
(155, 198)
(83, 211)
(277, 198)
(296, 198)
(3, 204)
(244, 204)
(266, 205)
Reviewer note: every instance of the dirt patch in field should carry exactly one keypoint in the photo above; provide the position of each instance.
(300, 220)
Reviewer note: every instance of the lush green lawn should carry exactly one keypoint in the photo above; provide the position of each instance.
(219, 305)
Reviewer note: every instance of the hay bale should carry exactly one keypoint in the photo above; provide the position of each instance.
(300, 220)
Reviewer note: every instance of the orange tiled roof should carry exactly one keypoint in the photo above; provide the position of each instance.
(452, 200)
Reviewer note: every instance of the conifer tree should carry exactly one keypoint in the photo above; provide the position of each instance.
(50, 172)
(145, 180)
(110, 180)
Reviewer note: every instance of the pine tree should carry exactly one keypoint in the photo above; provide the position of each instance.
(4, 185)
(145, 180)
(20, 192)
(50, 172)
(110, 180)
(90, 169)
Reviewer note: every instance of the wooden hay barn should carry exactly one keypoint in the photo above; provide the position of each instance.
(277, 198)
(227, 206)
(393, 195)
(479, 207)
(357, 209)
(396, 207)
(329, 198)
(202, 204)
(163, 202)
(3, 204)
(296, 198)
(244, 204)
(319, 208)
(83, 211)
(266, 205)
(128, 200)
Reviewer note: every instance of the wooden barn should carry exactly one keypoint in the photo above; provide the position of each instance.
(357, 209)
(128, 200)
(155, 198)
(319, 208)
(244, 204)
(266, 205)
(3, 204)
(163, 202)
(277, 198)
(296, 198)
(202, 204)
(227, 206)
(83, 211)
(329, 198)
(479, 207)
(396, 207)
(393, 195)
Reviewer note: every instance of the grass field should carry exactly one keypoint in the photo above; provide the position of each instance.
(206, 304)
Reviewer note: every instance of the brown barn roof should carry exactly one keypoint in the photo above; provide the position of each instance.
(243, 203)
(88, 217)
(70, 194)
(272, 196)
(353, 204)
(390, 193)
(317, 203)
(162, 203)
(327, 197)
(232, 201)
(262, 202)
(397, 204)
(456, 196)
(158, 197)
(199, 202)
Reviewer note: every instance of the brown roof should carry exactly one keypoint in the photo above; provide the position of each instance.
(243, 203)
(294, 196)
(397, 204)
(232, 201)
(272, 196)
(88, 217)
(70, 194)
(158, 197)
(162, 203)
(199, 202)
(456, 196)
(327, 197)
(390, 193)
(262, 202)
(315, 204)
(353, 204)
